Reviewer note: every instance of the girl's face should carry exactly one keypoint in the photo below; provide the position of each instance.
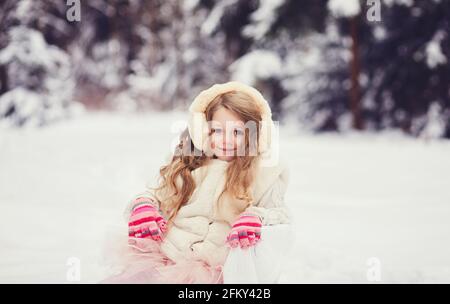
(227, 134)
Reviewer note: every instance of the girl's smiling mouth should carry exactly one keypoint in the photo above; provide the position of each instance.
(227, 150)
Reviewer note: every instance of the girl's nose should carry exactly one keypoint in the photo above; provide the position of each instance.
(228, 140)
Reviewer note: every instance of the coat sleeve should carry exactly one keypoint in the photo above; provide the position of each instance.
(271, 207)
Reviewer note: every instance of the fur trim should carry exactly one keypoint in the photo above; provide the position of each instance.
(198, 126)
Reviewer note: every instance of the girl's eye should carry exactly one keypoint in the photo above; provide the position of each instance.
(216, 130)
(238, 132)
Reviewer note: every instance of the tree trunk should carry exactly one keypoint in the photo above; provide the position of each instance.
(355, 92)
(3, 80)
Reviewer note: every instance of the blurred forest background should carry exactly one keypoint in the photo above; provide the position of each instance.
(332, 65)
(89, 111)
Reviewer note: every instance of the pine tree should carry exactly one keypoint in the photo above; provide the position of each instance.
(37, 83)
(407, 63)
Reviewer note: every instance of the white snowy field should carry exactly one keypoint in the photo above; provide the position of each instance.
(362, 203)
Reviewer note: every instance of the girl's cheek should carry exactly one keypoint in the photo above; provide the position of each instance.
(217, 138)
(239, 141)
(214, 142)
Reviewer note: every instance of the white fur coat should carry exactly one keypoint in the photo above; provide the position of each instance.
(200, 228)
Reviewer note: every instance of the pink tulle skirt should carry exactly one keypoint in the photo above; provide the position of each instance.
(143, 262)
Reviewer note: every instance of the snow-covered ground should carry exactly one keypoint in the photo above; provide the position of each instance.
(362, 203)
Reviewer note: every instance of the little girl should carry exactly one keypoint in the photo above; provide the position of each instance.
(214, 195)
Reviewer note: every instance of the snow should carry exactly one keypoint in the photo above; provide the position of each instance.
(39, 79)
(361, 197)
(23, 42)
(257, 64)
(262, 19)
(407, 3)
(344, 8)
(107, 64)
(435, 123)
(379, 32)
(433, 51)
(357, 200)
(26, 104)
(23, 10)
(213, 20)
(189, 5)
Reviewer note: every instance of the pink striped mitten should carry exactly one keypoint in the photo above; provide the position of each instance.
(145, 221)
(246, 231)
